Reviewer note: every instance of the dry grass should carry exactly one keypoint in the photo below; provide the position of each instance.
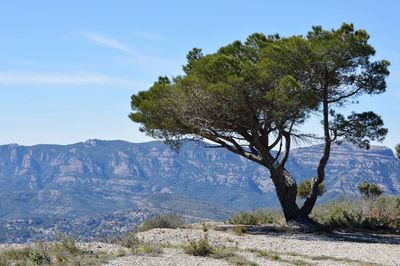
(64, 251)
(256, 217)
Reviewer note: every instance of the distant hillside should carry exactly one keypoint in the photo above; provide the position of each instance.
(94, 177)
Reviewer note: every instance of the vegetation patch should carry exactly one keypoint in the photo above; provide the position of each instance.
(256, 217)
(171, 220)
(137, 246)
(199, 248)
(299, 259)
(203, 248)
(239, 260)
(64, 251)
(271, 255)
(380, 214)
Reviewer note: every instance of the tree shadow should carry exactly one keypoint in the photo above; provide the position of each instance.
(321, 234)
(359, 237)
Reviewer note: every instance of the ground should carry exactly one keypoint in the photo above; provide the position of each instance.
(258, 247)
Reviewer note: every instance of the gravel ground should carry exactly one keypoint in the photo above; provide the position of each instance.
(319, 250)
(169, 257)
(263, 249)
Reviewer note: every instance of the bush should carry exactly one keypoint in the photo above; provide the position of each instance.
(137, 246)
(256, 217)
(339, 214)
(383, 213)
(130, 240)
(64, 251)
(171, 220)
(199, 248)
(203, 248)
(369, 191)
(304, 189)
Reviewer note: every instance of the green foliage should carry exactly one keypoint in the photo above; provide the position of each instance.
(398, 151)
(369, 191)
(199, 248)
(339, 214)
(171, 220)
(137, 246)
(253, 96)
(281, 79)
(37, 257)
(130, 240)
(202, 247)
(384, 214)
(304, 189)
(357, 126)
(204, 227)
(64, 251)
(255, 217)
(68, 244)
(146, 249)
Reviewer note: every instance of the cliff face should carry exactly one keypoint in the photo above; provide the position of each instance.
(93, 177)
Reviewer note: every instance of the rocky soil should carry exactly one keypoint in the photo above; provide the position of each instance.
(255, 247)
(282, 248)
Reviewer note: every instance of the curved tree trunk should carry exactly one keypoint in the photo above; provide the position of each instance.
(311, 200)
(286, 189)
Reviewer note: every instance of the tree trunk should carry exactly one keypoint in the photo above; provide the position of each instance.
(311, 200)
(286, 189)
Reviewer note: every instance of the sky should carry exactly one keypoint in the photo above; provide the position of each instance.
(68, 68)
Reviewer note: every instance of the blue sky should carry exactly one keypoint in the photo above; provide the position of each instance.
(68, 69)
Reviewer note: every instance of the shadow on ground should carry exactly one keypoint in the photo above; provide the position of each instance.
(286, 232)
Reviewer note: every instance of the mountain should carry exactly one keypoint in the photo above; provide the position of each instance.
(96, 177)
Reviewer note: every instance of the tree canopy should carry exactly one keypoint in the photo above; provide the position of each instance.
(369, 191)
(252, 98)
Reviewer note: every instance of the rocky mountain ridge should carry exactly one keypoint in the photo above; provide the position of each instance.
(98, 176)
(99, 185)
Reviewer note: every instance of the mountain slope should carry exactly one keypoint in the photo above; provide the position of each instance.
(86, 179)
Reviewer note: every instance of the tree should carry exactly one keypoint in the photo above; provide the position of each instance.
(251, 98)
(398, 151)
(369, 191)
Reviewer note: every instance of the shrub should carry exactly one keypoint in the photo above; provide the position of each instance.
(254, 218)
(199, 248)
(398, 151)
(204, 227)
(383, 213)
(203, 248)
(64, 251)
(67, 244)
(130, 240)
(369, 191)
(171, 220)
(148, 249)
(243, 218)
(137, 246)
(304, 189)
(339, 214)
